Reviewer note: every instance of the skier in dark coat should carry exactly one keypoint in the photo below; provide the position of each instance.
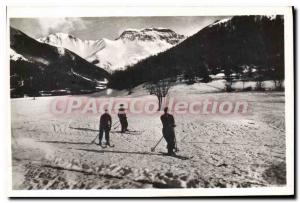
(168, 131)
(123, 119)
(105, 126)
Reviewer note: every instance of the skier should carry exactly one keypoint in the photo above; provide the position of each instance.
(105, 126)
(123, 119)
(168, 123)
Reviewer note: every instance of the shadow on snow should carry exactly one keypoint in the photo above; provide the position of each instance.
(62, 142)
(139, 153)
(85, 129)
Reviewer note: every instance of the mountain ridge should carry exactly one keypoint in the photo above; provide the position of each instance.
(130, 47)
(36, 67)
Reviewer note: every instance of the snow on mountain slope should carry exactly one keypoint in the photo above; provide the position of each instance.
(119, 53)
(134, 45)
(13, 55)
(83, 48)
(219, 22)
(129, 48)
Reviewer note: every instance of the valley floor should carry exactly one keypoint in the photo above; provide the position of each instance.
(55, 152)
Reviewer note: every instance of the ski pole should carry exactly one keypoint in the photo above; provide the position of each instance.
(117, 126)
(94, 139)
(153, 148)
(115, 123)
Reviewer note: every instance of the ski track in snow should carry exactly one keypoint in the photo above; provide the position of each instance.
(51, 152)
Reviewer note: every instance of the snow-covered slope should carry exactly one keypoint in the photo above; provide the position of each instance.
(215, 151)
(220, 22)
(129, 48)
(13, 55)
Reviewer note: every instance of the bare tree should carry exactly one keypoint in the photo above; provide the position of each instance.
(159, 89)
(277, 76)
(229, 82)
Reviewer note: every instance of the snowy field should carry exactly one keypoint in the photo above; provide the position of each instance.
(55, 152)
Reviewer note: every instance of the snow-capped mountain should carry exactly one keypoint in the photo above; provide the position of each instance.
(83, 48)
(152, 34)
(36, 68)
(129, 48)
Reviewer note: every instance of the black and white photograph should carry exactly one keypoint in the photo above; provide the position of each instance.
(170, 101)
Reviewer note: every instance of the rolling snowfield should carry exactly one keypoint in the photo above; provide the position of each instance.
(55, 152)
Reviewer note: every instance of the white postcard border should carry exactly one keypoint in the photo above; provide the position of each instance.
(88, 11)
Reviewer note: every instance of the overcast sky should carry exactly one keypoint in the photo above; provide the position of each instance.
(108, 27)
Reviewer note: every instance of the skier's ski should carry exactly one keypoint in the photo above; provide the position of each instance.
(105, 145)
(132, 133)
(102, 146)
(136, 131)
(176, 156)
(128, 132)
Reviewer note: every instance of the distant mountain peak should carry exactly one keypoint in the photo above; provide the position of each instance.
(151, 34)
(59, 36)
(62, 34)
(83, 48)
(158, 29)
